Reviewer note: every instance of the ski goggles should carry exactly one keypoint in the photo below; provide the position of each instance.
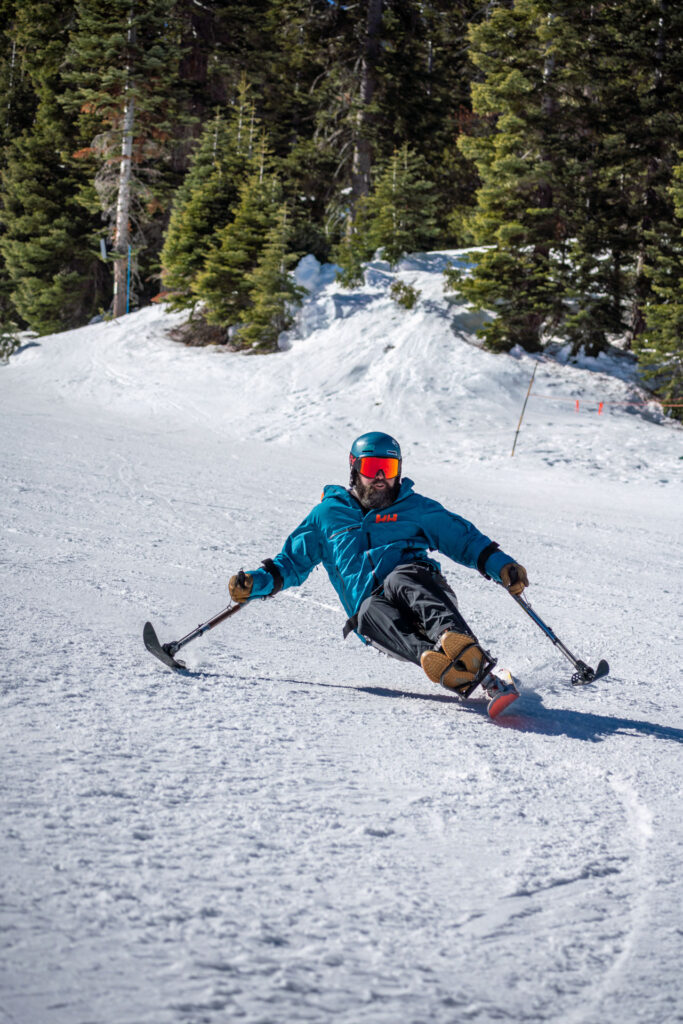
(370, 466)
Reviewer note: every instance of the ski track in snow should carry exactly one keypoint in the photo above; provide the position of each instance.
(299, 829)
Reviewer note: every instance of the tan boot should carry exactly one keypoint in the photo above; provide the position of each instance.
(454, 661)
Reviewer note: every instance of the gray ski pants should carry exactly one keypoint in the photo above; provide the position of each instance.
(414, 607)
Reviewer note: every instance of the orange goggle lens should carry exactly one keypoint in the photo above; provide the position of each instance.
(370, 466)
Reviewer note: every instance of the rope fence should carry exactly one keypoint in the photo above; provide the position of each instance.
(601, 405)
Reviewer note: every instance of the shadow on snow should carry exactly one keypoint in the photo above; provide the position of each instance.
(531, 715)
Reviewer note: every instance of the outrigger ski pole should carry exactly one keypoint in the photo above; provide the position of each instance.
(167, 652)
(584, 673)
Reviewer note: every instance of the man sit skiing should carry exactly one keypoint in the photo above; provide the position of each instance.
(373, 539)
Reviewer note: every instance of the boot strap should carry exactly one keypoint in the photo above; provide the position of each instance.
(487, 663)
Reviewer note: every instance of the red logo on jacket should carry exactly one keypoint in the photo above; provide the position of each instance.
(386, 519)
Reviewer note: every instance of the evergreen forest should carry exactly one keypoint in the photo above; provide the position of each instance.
(190, 152)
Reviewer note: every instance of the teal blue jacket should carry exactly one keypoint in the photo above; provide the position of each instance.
(359, 549)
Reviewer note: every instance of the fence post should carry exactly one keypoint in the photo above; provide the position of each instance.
(519, 425)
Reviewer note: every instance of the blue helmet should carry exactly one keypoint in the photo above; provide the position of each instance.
(373, 444)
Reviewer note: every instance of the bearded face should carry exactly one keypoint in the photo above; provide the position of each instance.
(378, 493)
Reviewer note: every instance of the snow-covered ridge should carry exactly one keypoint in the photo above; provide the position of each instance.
(355, 356)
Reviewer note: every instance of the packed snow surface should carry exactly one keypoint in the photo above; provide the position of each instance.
(300, 829)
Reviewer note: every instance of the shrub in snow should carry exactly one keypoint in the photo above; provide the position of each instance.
(404, 294)
(9, 343)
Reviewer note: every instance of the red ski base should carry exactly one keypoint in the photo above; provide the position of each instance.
(503, 700)
(499, 704)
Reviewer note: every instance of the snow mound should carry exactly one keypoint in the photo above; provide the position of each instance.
(356, 360)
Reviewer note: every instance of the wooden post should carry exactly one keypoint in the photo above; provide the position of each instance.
(519, 425)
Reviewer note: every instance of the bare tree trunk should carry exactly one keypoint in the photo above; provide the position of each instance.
(122, 224)
(362, 147)
(641, 286)
(11, 73)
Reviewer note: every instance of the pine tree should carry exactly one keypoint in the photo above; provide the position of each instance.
(288, 82)
(47, 244)
(356, 247)
(512, 146)
(323, 54)
(660, 347)
(574, 148)
(398, 217)
(622, 97)
(586, 267)
(204, 202)
(222, 286)
(273, 293)
(425, 95)
(123, 63)
(18, 102)
(359, 86)
(402, 208)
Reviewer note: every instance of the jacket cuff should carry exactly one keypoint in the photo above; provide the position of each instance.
(263, 583)
(495, 562)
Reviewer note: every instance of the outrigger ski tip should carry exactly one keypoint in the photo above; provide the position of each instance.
(167, 652)
(154, 647)
(602, 669)
(585, 674)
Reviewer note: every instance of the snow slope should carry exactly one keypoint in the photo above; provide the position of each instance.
(301, 830)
